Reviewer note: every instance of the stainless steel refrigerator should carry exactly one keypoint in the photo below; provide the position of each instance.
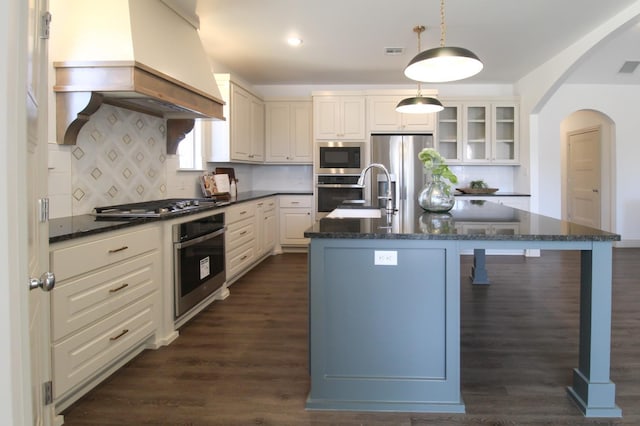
(399, 153)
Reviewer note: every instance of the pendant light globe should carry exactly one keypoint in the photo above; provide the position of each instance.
(443, 64)
(419, 105)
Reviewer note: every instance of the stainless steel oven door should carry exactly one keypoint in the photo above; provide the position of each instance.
(330, 196)
(199, 265)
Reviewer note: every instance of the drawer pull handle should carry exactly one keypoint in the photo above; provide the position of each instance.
(243, 232)
(243, 257)
(295, 202)
(243, 212)
(118, 249)
(115, 290)
(122, 333)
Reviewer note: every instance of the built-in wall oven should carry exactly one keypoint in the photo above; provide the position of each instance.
(199, 261)
(335, 157)
(333, 190)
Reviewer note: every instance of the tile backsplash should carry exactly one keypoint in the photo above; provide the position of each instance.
(120, 157)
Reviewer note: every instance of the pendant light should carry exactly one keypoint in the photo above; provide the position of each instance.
(419, 104)
(442, 64)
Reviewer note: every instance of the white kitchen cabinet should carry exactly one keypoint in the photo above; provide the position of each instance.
(505, 131)
(516, 201)
(288, 132)
(339, 117)
(295, 218)
(240, 239)
(383, 116)
(449, 133)
(105, 307)
(257, 136)
(241, 137)
(479, 132)
(266, 226)
(476, 125)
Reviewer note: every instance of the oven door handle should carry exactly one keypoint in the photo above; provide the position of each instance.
(200, 239)
(337, 185)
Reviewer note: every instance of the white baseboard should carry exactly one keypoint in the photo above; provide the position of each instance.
(627, 244)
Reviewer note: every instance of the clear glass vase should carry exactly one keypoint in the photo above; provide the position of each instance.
(436, 196)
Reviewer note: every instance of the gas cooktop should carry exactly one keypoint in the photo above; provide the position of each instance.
(157, 208)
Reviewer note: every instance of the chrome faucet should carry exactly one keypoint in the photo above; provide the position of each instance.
(389, 197)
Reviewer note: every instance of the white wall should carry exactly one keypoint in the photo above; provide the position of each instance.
(619, 103)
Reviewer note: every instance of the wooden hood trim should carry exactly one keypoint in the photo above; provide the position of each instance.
(82, 87)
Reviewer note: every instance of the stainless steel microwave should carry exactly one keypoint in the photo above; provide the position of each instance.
(339, 157)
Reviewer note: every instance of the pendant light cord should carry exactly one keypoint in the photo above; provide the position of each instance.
(418, 29)
(443, 27)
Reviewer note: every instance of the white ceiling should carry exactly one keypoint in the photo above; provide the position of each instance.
(344, 40)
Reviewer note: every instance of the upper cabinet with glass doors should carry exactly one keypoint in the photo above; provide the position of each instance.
(449, 133)
(479, 132)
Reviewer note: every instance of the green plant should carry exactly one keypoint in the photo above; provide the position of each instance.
(435, 164)
(478, 184)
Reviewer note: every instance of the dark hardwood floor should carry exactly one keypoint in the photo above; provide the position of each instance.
(243, 361)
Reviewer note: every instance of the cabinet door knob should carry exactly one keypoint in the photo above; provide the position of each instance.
(46, 282)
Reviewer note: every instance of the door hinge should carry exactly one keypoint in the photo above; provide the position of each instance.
(43, 210)
(47, 388)
(45, 25)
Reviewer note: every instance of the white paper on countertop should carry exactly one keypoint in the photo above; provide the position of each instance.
(222, 183)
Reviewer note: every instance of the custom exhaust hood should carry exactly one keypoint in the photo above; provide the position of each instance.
(136, 54)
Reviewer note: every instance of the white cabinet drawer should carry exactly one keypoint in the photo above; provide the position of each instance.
(239, 233)
(78, 302)
(295, 201)
(82, 258)
(79, 357)
(240, 258)
(266, 204)
(239, 212)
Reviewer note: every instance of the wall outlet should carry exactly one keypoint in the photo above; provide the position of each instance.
(385, 257)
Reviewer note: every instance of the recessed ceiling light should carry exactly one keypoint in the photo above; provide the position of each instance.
(294, 41)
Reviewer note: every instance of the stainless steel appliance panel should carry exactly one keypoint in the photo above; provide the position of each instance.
(336, 157)
(333, 190)
(199, 261)
(399, 153)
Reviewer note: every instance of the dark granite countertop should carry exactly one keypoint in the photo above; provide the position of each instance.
(495, 194)
(67, 228)
(461, 223)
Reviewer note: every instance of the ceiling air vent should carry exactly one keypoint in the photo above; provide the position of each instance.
(629, 67)
(393, 51)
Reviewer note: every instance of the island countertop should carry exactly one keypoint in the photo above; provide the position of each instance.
(412, 222)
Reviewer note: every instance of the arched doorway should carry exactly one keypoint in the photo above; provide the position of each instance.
(588, 140)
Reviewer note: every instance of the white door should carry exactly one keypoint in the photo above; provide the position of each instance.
(583, 177)
(36, 188)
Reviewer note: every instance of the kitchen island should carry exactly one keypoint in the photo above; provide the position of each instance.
(385, 306)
